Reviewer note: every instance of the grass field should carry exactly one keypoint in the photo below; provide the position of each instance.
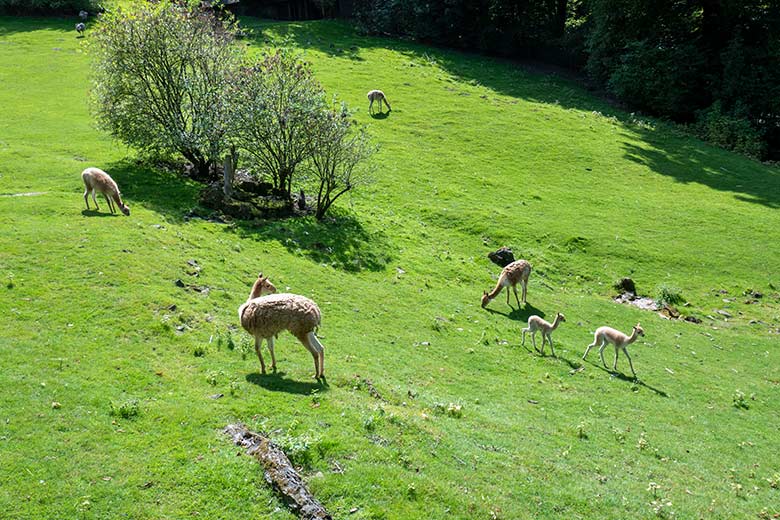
(477, 153)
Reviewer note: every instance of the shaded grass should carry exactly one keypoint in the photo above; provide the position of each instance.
(93, 315)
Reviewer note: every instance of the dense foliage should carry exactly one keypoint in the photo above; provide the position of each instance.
(715, 63)
(161, 73)
(339, 151)
(278, 102)
(46, 6)
(169, 79)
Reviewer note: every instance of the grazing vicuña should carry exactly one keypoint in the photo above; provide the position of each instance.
(379, 96)
(98, 181)
(517, 271)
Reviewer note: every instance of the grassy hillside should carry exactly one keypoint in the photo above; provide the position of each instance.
(477, 153)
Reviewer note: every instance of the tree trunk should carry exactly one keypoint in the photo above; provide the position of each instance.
(279, 472)
(560, 17)
(227, 176)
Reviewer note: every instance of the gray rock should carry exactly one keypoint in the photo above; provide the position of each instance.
(502, 257)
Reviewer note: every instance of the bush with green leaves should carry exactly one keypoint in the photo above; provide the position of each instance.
(278, 102)
(729, 131)
(669, 295)
(161, 72)
(340, 151)
(656, 77)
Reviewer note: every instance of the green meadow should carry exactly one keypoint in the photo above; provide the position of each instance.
(115, 381)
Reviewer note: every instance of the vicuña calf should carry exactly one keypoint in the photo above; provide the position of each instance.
(266, 316)
(96, 180)
(604, 335)
(536, 323)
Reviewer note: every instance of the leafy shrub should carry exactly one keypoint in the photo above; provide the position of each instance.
(339, 148)
(300, 449)
(659, 79)
(278, 102)
(739, 401)
(126, 409)
(161, 72)
(669, 295)
(729, 131)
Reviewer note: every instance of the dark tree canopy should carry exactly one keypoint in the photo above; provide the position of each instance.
(712, 63)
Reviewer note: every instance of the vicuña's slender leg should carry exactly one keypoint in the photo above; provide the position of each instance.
(258, 344)
(320, 351)
(533, 337)
(552, 349)
(524, 331)
(630, 363)
(614, 365)
(524, 291)
(306, 342)
(86, 197)
(589, 347)
(601, 352)
(514, 288)
(95, 200)
(271, 348)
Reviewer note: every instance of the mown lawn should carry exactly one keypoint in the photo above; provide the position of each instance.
(477, 153)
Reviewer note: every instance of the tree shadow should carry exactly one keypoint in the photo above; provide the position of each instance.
(276, 382)
(696, 162)
(340, 241)
(521, 314)
(681, 157)
(20, 24)
(621, 376)
(156, 186)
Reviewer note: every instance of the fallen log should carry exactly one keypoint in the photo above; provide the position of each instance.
(279, 472)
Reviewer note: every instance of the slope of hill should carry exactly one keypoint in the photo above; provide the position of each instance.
(476, 154)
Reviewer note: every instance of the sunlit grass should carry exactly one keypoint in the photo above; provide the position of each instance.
(476, 154)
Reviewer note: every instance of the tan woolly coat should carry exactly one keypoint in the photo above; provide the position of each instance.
(98, 180)
(515, 272)
(267, 316)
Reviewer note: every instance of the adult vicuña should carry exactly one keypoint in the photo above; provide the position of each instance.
(536, 323)
(96, 180)
(513, 273)
(266, 316)
(621, 341)
(377, 95)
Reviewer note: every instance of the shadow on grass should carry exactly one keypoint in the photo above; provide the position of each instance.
(154, 186)
(681, 157)
(521, 314)
(19, 24)
(96, 213)
(276, 382)
(621, 376)
(380, 115)
(696, 162)
(340, 241)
